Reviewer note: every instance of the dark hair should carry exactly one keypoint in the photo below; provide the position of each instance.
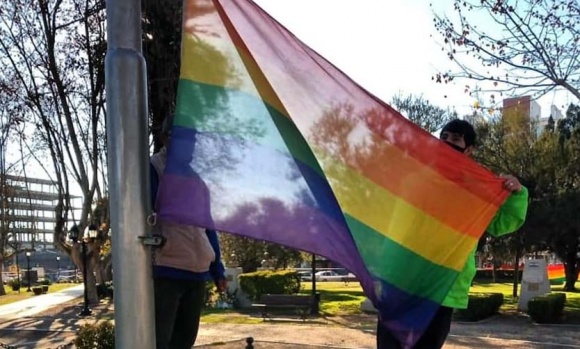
(463, 128)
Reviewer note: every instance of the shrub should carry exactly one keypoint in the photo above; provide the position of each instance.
(105, 290)
(45, 281)
(481, 306)
(500, 274)
(15, 284)
(37, 290)
(547, 308)
(228, 299)
(210, 294)
(269, 282)
(96, 336)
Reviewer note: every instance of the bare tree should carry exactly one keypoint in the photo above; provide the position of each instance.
(528, 46)
(51, 67)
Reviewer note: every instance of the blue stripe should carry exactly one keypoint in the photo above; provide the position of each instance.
(207, 153)
(409, 311)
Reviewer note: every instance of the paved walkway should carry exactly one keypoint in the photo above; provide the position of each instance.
(267, 334)
(38, 304)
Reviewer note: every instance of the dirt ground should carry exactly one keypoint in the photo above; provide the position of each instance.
(58, 325)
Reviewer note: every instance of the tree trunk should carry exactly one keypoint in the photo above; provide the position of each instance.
(494, 272)
(516, 273)
(571, 270)
(104, 269)
(92, 285)
(92, 258)
(2, 289)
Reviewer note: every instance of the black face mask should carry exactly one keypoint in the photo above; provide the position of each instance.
(456, 147)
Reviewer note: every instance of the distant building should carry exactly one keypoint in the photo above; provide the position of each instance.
(521, 114)
(556, 115)
(28, 208)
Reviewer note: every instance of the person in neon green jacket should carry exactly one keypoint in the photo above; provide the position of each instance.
(460, 135)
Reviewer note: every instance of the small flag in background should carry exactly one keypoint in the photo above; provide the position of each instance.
(273, 142)
(556, 273)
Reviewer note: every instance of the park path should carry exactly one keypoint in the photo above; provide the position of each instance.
(50, 320)
(269, 334)
(38, 304)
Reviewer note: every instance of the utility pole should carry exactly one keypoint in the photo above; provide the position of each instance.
(128, 166)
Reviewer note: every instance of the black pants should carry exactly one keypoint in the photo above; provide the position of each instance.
(433, 338)
(178, 306)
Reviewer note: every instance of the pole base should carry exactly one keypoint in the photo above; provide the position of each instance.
(86, 312)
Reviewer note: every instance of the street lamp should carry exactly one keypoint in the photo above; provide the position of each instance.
(28, 267)
(17, 252)
(57, 267)
(75, 237)
(314, 309)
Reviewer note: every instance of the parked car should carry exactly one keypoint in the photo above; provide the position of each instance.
(67, 279)
(329, 275)
(305, 275)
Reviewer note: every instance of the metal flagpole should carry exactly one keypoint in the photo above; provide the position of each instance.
(128, 164)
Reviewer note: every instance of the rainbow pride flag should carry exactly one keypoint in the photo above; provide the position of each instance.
(556, 273)
(273, 142)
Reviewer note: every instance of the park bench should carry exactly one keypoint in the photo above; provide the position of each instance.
(301, 303)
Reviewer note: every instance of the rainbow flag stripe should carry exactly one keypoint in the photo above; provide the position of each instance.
(273, 142)
(556, 273)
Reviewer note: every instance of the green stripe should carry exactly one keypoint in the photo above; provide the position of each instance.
(400, 267)
(210, 108)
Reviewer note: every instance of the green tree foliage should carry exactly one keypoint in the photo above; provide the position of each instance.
(161, 26)
(506, 149)
(250, 254)
(549, 165)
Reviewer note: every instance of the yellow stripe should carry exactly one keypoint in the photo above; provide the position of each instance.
(400, 221)
(201, 62)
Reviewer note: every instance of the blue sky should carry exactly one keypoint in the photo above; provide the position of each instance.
(387, 46)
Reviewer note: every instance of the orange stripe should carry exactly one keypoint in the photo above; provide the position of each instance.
(420, 186)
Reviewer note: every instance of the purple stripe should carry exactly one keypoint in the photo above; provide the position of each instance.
(184, 200)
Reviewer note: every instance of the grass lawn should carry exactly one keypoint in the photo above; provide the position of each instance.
(227, 316)
(336, 298)
(571, 310)
(14, 296)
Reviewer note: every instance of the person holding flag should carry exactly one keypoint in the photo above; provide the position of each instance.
(461, 136)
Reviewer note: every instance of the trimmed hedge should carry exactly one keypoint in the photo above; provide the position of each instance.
(547, 308)
(480, 306)
(500, 274)
(269, 282)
